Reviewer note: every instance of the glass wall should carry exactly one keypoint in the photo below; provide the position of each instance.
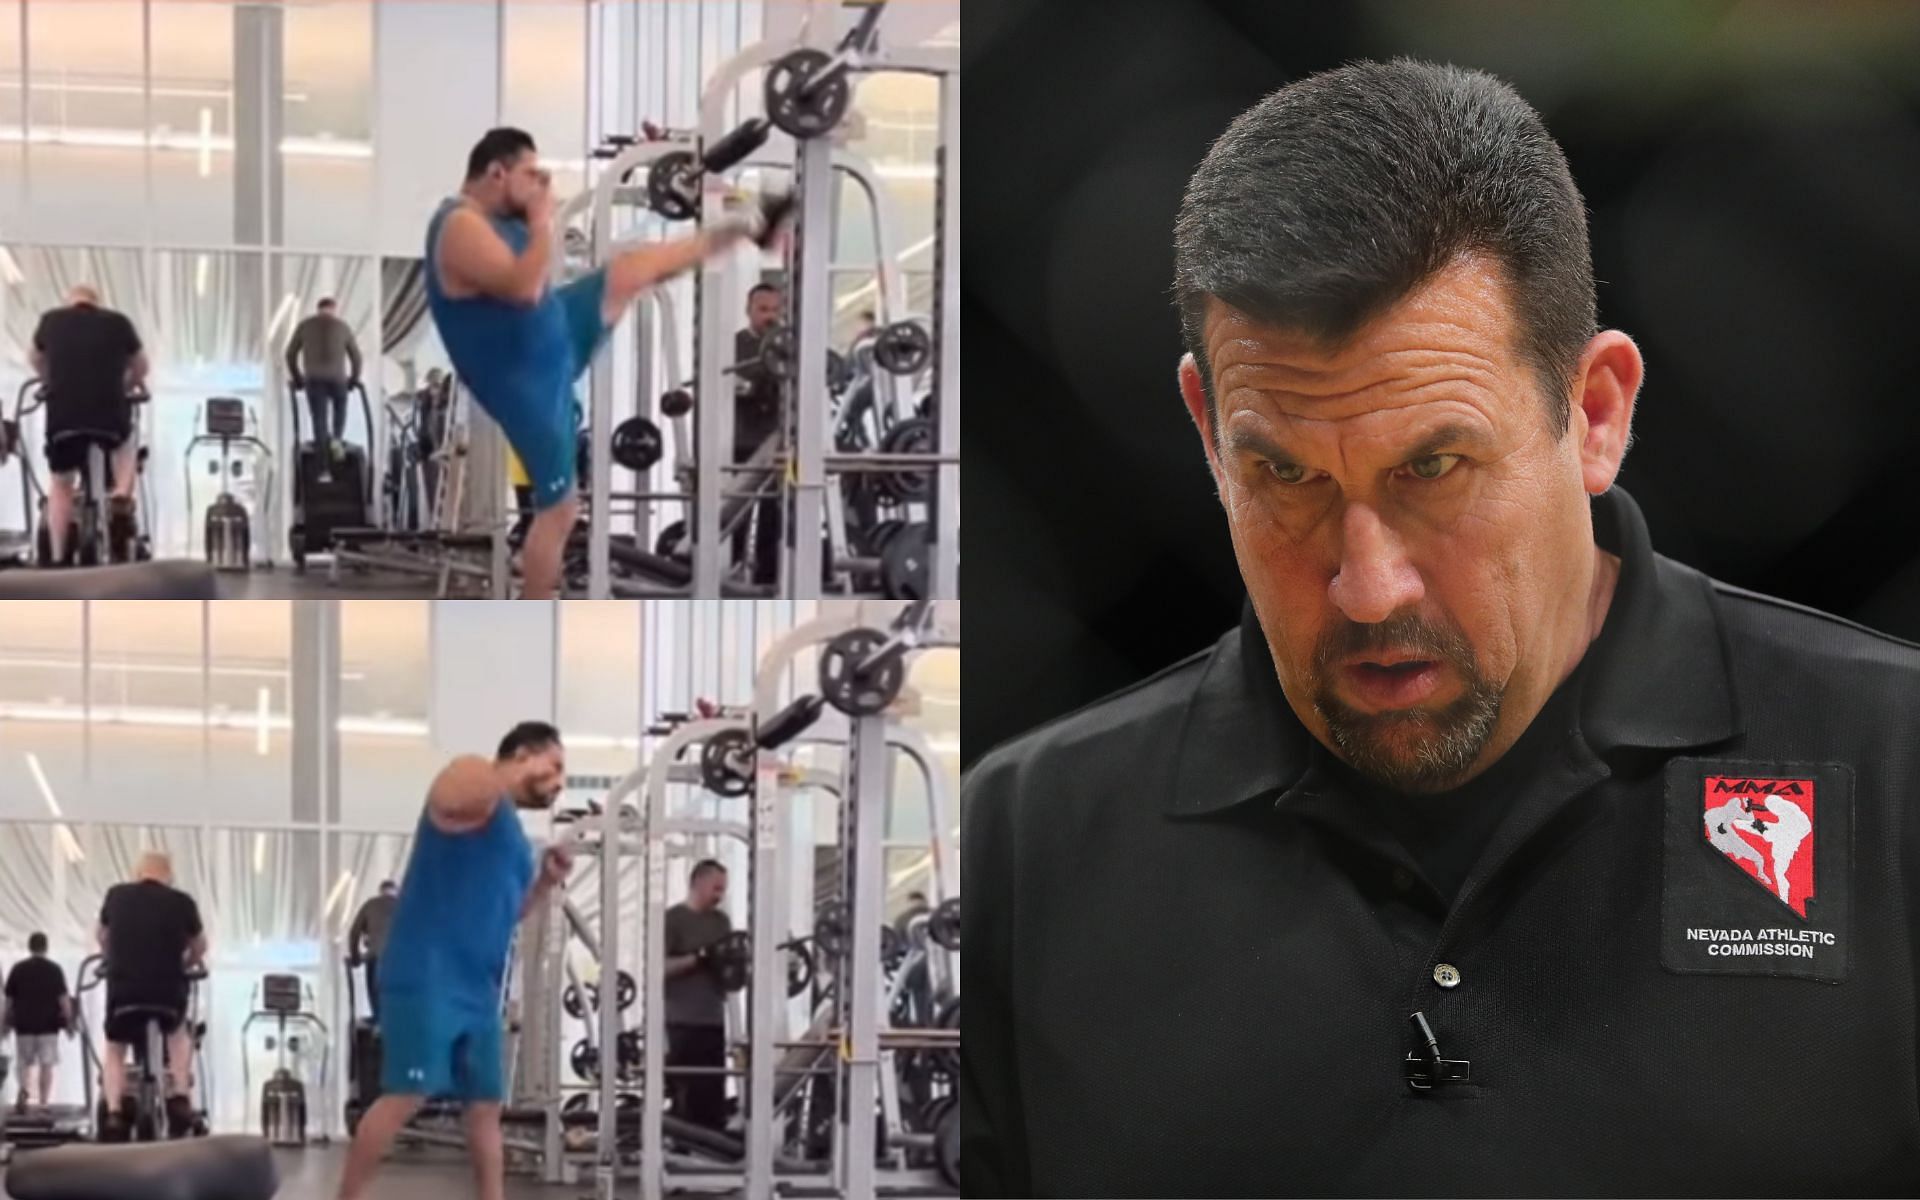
(86, 120)
(327, 102)
(193, 122)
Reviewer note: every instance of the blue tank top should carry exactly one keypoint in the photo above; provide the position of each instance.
(509, 355)
(459, 905)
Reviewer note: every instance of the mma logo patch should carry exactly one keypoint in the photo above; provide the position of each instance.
(1765, 826)
(1758, 869)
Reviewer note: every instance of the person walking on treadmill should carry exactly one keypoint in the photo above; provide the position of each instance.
(90, 361)
(39, 1010)
(151, 936)
(324, 360)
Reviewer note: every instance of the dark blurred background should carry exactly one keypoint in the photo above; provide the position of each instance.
(1752, 173)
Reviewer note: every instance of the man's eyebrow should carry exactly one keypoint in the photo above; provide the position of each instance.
(1447, 436)
(1451, 434)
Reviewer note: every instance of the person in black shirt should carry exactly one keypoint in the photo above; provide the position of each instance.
(151, 936)
(90, 359)
(39, 1010)
(756, 417)
(1492, 853)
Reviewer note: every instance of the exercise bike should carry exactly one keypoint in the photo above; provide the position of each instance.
(145, 1101)
(98, 532)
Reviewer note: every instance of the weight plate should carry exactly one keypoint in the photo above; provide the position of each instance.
(902, 348)
(915, 435)
(721, 760)
(676, 403)
(731, 960)
(673, 186)
(906, 565)
(571, 1001)
(799, 969)
(628, 1047)
(846, 687)
(625, 992)
(585, 1060)
(579, 1102)
(777, 351)
(796, 104)
(830, 928)
(944, 925)
(877, 537)
(670, 542)
(637, 444)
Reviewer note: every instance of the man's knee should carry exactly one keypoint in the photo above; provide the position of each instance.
(561, 513)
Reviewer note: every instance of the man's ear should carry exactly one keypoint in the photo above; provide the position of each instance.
(1194, 392)
(1610, 373)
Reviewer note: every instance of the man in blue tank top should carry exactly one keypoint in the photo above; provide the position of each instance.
(469, 881)
(519, 343)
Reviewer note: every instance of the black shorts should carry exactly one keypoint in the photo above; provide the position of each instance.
(69, 453)
(130, 1028)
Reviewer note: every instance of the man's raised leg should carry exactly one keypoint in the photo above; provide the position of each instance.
(373, 1137)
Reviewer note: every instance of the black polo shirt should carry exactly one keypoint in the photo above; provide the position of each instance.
(1682, 962)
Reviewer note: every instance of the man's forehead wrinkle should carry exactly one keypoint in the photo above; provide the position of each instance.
(1395, 385)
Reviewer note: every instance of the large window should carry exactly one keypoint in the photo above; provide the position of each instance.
(327, 124)
(12, 123)
(86, 119)
(387, 756)
(543, 84)
(193, 122)
(598, 700)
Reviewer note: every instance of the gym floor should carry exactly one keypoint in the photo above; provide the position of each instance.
(282, 583)
(314, 1174)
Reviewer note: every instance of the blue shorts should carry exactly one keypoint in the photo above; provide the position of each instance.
(429, 1047)
(544, 432)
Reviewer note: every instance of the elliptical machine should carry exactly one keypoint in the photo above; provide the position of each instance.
(228, 539)
(283, 1098)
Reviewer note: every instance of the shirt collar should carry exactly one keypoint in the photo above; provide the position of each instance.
(1241, 740)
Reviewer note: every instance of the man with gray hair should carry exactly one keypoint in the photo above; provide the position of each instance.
(1415, 882)
(90, 361)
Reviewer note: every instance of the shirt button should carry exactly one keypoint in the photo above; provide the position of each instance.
(1402, 879)
(1446, 975)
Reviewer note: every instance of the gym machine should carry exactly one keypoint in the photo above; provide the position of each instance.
(228, 540)
(94, 537)
(844, 1062)
(333, 502)
(807, 94)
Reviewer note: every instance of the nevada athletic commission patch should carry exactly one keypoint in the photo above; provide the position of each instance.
(1758, 868)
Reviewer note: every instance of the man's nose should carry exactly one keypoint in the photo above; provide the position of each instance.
(1376, 579)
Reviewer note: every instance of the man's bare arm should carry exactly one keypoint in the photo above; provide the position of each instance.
(464, 795)
(473, 257)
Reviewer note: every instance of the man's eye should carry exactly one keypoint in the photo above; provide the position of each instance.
(1287, 472)
(1432, 466)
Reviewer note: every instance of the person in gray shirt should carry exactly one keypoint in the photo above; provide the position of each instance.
(324, 360)
(367, 939)
(696, 1005)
